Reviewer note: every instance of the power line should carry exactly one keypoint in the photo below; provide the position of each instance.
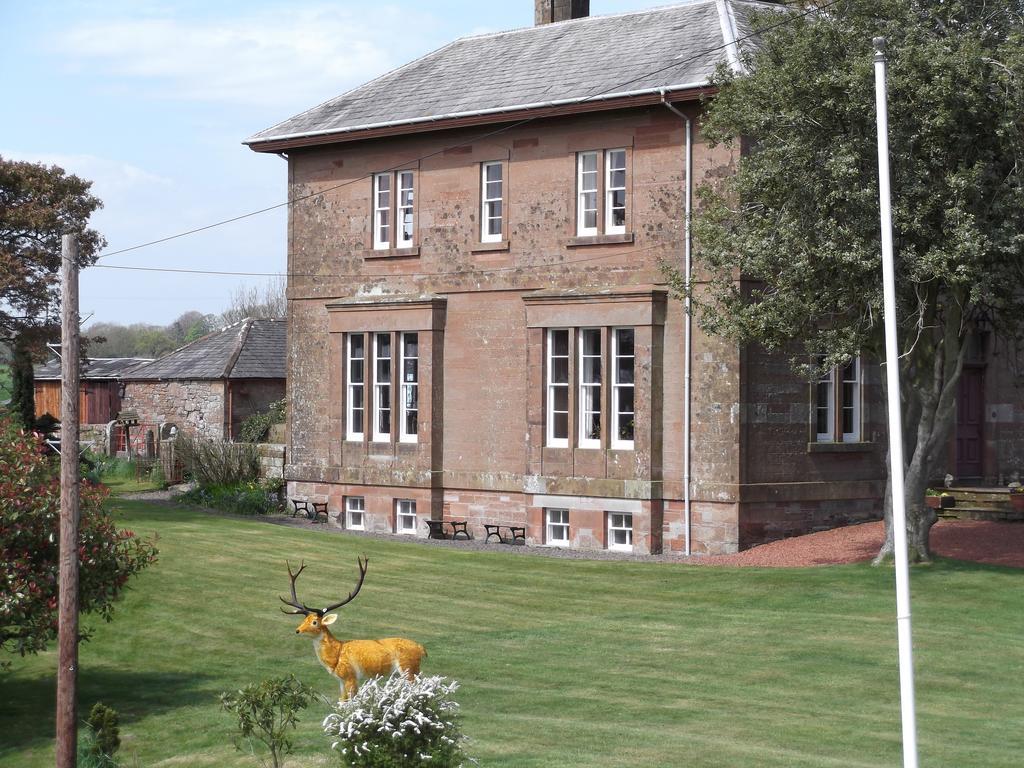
(602, 90)
(372, 275)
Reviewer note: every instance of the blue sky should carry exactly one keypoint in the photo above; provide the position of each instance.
(151, 99)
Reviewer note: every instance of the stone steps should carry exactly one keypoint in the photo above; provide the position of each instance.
(981, 504)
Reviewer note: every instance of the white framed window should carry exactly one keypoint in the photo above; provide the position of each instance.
(556, 525)
(405, 516)
(405, 209)
(623, 368)
(836, 410)
(558, 388)
(382, 211)
(409, 396)
(615, 192)
(355, 417)
(492, 202)
(590, 387)
(586, 197)
(382, 387)
(355, 511)
(620, 531)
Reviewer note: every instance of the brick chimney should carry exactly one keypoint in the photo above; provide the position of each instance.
(547, 11)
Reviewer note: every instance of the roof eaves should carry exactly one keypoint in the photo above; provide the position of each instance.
(253, 143)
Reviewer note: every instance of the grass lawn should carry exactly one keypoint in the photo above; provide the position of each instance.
(562, 663)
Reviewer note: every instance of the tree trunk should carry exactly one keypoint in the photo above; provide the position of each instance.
(928, 423)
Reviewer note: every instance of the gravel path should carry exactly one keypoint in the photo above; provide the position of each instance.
(974, 540)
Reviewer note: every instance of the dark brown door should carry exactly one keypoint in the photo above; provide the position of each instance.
(969, 414)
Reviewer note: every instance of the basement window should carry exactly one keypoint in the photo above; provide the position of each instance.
(355, 509)
(405, 516)
(556, 524)
(620, 531)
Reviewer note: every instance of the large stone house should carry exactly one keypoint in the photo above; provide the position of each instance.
(479, 326)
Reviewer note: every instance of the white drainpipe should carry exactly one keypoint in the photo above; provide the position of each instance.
(687, 321)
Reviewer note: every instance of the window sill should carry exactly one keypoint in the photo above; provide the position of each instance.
(501, 245)
(840, 447)
(392, 253)
(576, 242)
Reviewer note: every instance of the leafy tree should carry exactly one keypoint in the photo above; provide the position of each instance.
(39, 204)
(267, 713)
(799, 221)
(23, 398)
(29, 545)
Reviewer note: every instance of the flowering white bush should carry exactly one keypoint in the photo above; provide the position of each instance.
(395, 722)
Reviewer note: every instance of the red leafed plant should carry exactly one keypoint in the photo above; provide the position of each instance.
(29, 545)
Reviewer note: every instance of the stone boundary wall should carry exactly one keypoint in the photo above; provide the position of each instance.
(272, 460)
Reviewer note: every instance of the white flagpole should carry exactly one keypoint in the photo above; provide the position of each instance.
(892, 371)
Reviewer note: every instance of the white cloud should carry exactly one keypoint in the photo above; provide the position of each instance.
(313, 52)
(108, 175)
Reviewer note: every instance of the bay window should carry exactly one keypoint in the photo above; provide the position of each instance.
(409, 397)
(382, 387)
(623, 368)
(558, 388)
(590, 387)
(356, 402)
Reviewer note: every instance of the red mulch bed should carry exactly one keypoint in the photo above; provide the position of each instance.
(975, 540)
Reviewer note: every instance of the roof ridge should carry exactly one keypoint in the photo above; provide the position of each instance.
(243, 336)
(583, 19)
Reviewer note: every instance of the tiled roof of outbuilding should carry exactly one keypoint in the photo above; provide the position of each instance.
(593, 58)
(249, 349)
(95, 368)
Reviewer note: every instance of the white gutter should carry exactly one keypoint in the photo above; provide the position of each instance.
(687, 321)
(472, 113)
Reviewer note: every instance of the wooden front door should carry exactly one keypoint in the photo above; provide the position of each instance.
(970, 410)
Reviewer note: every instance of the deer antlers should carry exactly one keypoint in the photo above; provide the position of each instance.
(302, 608)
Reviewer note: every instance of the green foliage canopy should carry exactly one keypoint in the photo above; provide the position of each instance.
(799, 220)
(39, 204)
(29, 545)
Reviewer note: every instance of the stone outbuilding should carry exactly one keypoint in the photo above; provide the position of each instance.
(209, 387)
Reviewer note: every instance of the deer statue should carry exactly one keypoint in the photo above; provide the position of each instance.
(352, 661)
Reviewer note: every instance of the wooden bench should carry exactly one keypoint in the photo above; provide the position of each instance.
(515, 534)
(438, 529)
(311, 509)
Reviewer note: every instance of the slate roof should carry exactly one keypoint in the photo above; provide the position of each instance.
(249, 349)
(589, 59)
(95, 368)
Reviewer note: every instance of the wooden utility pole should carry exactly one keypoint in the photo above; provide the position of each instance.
(67, 671)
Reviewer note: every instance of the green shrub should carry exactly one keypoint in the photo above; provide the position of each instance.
(213, 462)
(102, 725)
(239, 499)
(254, 429)
(267, 711)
